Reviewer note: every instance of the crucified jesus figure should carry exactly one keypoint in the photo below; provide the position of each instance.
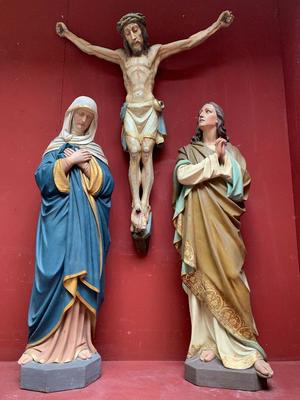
(143, 124)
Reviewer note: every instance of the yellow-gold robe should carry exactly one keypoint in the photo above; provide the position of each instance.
(208, 206)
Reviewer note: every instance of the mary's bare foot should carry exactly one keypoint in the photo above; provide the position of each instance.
(207, 355)
(84, 354)
(263, 369)
(24, 359)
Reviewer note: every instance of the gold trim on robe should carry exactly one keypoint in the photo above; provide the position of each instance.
(91, 186)
(209, 241)
(61, 180)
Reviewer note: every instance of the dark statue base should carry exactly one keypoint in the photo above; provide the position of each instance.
(56, 377)
(141, 239)
(213, 374)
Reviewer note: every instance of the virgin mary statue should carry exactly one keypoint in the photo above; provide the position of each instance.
(72, 241)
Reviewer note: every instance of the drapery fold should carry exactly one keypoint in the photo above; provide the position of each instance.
(207, 237)
(72, 242)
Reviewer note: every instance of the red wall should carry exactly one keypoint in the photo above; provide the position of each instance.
(289, 18)
(145, 314)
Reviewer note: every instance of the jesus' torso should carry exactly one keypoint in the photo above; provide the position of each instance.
(139, 73)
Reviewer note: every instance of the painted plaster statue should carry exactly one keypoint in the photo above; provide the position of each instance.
(211, 183)
(72, 241)
(143, 124)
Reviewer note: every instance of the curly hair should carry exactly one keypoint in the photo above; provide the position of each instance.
(221, 130)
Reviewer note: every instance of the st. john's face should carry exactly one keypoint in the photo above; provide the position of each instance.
(207, 116)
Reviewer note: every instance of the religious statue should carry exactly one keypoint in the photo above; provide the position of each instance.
(72, 241)
(143, 123)
(211, 183)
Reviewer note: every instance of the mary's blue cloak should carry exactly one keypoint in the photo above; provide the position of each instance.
(71, 245)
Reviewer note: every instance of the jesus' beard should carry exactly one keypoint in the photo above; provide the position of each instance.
(134, 52)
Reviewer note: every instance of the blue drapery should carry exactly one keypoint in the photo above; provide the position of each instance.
(68, 246)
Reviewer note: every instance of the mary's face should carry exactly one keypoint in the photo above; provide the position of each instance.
(207, 116)
(82, 119)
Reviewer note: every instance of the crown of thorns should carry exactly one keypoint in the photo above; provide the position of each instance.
(130, 18)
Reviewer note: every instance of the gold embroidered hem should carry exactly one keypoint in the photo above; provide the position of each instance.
(208, 239)
(189, 255)
(208, 334)
(204, 290)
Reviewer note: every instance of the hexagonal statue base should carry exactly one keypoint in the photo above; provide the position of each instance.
(213, 374)
(56, 377)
